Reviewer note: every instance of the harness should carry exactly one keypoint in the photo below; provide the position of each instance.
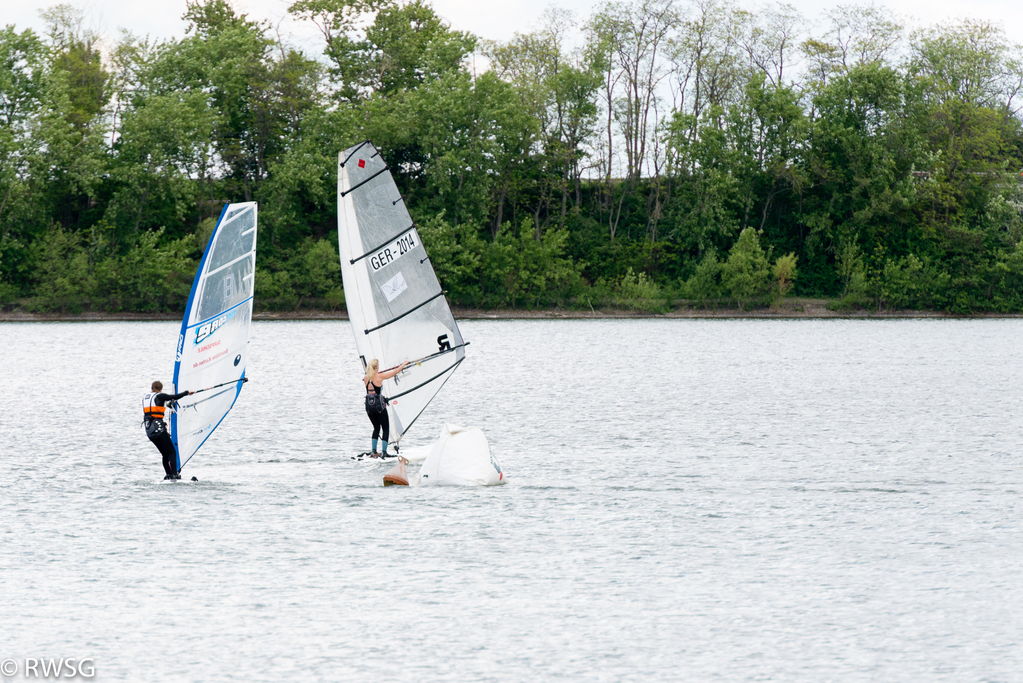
(374, 400)
(152, 418)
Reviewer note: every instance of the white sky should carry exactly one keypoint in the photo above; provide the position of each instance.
(493, 19)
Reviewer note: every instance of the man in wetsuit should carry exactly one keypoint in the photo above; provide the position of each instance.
(154, 405)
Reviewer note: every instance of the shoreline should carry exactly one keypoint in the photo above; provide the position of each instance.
(789, 309)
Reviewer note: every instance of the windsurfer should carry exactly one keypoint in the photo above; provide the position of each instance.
(376, 406)
(154, 405)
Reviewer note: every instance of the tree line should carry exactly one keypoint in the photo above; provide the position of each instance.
(693, 152)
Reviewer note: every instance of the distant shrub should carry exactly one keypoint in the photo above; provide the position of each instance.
(8, 293)
(785, 273)
(705, 283)
(637, 286)
(64, 280)
(746, 274)
(274, 290)
(520, 270)
(150, 277)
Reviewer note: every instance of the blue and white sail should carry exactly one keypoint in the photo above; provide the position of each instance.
(396, 306)
(213, 344)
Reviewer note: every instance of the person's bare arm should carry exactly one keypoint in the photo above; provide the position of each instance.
(391, 373)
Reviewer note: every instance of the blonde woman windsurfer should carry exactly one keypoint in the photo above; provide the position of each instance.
(376, 405)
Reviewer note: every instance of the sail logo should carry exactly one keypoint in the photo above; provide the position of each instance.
(201, 431)
(207, 329)
(393, 287)
(493, 461)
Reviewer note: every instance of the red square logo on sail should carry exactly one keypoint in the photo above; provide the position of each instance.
(362, 163)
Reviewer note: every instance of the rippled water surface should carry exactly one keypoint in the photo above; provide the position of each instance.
(686, 500)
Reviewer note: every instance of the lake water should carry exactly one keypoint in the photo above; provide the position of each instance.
(701, 500)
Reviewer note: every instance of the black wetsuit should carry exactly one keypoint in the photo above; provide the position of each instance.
(376, 408)
(153, 406)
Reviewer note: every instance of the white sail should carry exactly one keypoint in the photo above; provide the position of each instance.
(460, 456)
(396, 306)
(213, 343)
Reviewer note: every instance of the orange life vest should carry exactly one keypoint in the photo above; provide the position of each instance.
(149, 407)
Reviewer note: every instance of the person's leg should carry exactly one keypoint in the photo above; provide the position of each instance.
(376, 428)
(385, 422)
(170, 456)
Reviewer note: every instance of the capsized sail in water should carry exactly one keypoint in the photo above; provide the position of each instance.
(459, 457)
(213, 343)
(395, 304)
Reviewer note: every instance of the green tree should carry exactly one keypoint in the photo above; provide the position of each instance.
(64, 280)
(747, 272)
(456, 253)
(150, 276)
(161, 149)
(785, 273)
(409, 45)
(857, 36)
(346, 49)
(705, 283)
(520, 270)
(557, 94)
(22, 66)
(863, 149)
(706, 206)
